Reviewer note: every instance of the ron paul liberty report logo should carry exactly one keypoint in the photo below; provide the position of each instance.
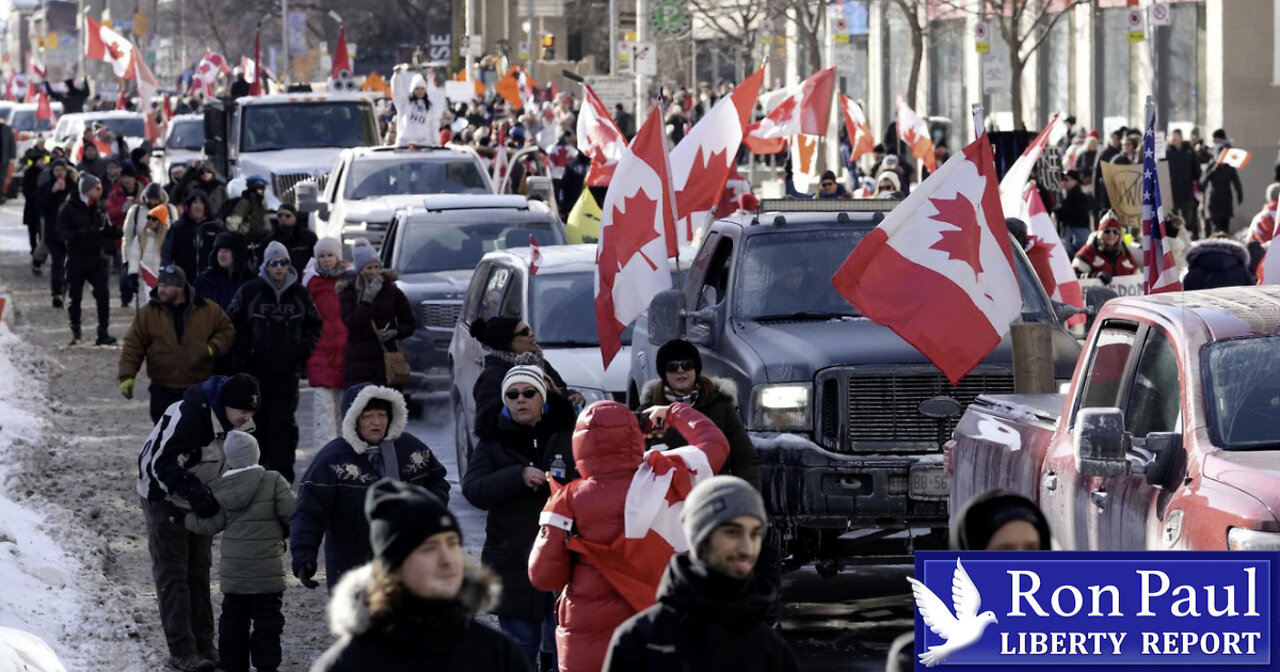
(1194, 610)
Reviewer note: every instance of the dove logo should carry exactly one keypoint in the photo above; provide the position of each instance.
(961, 630)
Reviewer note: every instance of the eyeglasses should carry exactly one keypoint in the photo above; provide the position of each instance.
(278, 263)
(524, 332)
(527, 394)
(1110, 232)
(680, 365)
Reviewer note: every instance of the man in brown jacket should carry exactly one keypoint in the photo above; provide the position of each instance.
(179, 333)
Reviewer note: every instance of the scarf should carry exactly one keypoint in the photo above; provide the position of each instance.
(672, 397)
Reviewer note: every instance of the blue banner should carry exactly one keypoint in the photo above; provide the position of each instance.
(1193, 610)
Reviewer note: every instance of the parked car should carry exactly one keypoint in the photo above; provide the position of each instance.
(435, 247)
(833, 401)
(183, 143)
(131, 125)
(21, 118)
(1168, 437)
(558, 303)
(368, 184)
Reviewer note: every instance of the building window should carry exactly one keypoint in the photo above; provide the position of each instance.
(946, 71)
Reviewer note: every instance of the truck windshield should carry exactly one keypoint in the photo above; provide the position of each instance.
(25, 120)
(787, 275)
(186, 135)
(413, 176)
(129, 127)
(562, 311)
(430, 247)
(307, 126)
(1244, 392)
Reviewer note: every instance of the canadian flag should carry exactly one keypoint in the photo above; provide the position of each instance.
(855, 124)
(43, 109)
(804, 161)
(499, 167)
(19, 87)
(702, 162)
(939, 270)
(251, 68)
(1015, 179)
(148, 86)
(1235, 157)
(104, 44)
(806, 110)
(637, 236)
(599, 138)
(341, 73)
(535, 255)
(915, 132)
(206, 74)
(1061, 283)
(149, 277)
(256, 84)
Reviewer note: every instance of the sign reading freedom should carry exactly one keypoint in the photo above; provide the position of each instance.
(1100, 610)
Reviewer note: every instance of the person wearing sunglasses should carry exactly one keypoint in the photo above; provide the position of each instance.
(1105, 255)
(292, 232)
(830, 188)
(277, 329)
(376, 313)
(507, 476)
(506, 339)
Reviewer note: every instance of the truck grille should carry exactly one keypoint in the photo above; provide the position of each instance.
(879, 411)
(440, 315)
(281, 183)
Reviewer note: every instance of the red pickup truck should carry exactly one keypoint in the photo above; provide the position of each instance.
(1168, 437)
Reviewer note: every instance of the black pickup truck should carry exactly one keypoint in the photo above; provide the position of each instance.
(848, 418)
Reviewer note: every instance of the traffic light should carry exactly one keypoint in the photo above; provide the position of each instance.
(548, 47)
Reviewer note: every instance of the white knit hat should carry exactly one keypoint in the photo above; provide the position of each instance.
(527, 374)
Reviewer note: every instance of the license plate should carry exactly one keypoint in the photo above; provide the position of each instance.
(929, 483)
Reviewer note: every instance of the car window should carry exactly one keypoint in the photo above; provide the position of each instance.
(1155, 399)
(715, 281)
(310, 125)
(431, 246)
(513, 301)
(187, 134)
(475, 291)
(129, 127)
(1243, 376)
(562, 310)
(414, 176)
(788, 272)
(1104, 376)
(494, 291)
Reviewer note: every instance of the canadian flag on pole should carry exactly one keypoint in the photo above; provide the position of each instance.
(149, 277)
(148, 86)
(915, 132)
(807, 111)
(535, 255)
(37, 65)
(855, 124)
(637, 235)
(104, 44)
(43, 109)
(1061, 283)
(499, 168)
(701, 163)
(599, 138)
(1015, 179)
(340, 76)
(939, 270)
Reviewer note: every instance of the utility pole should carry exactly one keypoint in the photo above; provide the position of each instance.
(284, 75)
(642, 89)
(528, 36)
(613, 37)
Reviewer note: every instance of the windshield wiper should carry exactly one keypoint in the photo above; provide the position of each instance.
(805, 315)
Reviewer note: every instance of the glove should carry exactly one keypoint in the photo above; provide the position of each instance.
(371, 289)
(126, 388)
(386, 334)
(1105, 277)
(172, 512)
(304, 572)
(203, 503)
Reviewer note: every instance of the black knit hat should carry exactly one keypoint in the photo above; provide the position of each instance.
(241, 392)
(402, 516)
(496, 332)
(983, 515)
(676, 350)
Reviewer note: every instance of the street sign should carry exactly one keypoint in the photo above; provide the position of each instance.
(1160, 15)
(1136, 24)
(140, 24)
(981, 37)
(646, 62)
(670, 18)
(995, 75)
(614, 91)
(474, 45)
(522, 51)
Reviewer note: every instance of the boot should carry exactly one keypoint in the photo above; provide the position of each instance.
(211, 652)
(105, 339)
(191, 663)
(57, 301)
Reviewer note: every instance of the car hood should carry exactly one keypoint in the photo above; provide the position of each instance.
(311, 161)
(583, 367)
(794, 351)
(379, 209)
(422, 286)
(1253, 472)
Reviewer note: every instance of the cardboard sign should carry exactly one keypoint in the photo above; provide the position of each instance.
(1124, 285)
(1124, 188)
(459, 92)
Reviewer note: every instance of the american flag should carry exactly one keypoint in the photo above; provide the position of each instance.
(1161, 273)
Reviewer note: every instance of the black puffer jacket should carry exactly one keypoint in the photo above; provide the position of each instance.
(703, 621)
(84, 228)
(276, 330)
(494, 482)
(180, 244)
(1217, 262)
(421, 635)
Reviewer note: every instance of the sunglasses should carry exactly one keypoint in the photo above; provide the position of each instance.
(1110, 232)
(680, 365)
(828, 184)
(524, 332)
(278, 263)
(527, 394)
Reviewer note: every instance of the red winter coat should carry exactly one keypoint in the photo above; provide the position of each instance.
(324, 369)
(608, 449)
(118, 202)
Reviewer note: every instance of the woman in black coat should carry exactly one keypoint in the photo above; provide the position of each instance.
(1218, 182)
(376, 314)
(1217, 262)
(506, 338)
(507, 476)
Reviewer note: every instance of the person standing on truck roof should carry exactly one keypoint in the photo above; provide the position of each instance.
(1105, 255)
(418, 108)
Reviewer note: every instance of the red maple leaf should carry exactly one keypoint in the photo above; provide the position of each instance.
(783, 111)
(706, 180)
(114, 50)
(633, 228)
(965, 241)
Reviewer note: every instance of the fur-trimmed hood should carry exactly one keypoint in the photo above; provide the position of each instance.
(349, 607)
(652, 392)
(354, 401)
(1221, 246)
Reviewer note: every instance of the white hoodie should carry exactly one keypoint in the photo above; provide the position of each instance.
(416, 123)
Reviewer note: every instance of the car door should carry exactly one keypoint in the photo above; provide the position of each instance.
(490, 299)
(1064, 492)
(387, 252)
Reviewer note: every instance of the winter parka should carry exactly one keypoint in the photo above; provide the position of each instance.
(332, 491)
(153, 337)
(216, 282)
(214, 191)
(324, 369)
(1092, 261)
(141, 244)
(494, 482)
(276, 329)
(1218, 183)
(298, 239)
(255, 505)
(364, 361)
(180, 245)
(422, 635)
(84, 229)
(703, 621)
(184, 449)
(417, 121)
(718, 400)
(487, 391)
(1217, 262)
(608, 448)
(51, 201)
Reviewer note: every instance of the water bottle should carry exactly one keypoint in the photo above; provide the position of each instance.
(557, 467)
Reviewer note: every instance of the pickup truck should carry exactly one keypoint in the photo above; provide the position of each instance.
(848, 418)
(1167, 438)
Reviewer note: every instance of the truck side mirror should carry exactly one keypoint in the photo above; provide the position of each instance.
(1168, 459)
(306, 195)
(1101, 444)
(704, 326)
(666, 317)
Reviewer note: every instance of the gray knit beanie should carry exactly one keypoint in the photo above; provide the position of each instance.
(87, 183)
(241, 449)
(715, 502)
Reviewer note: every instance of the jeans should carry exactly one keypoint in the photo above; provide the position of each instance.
(533, 637)
(93, 270)
(180, 562)
(277, 426)
(250, 627)
(1076, 237)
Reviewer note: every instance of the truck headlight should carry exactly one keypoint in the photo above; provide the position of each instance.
(782, 408)
(1244, 539)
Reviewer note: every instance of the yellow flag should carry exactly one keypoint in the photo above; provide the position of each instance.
(584, 219)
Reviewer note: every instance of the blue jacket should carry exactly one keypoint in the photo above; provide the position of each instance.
(332, 492)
